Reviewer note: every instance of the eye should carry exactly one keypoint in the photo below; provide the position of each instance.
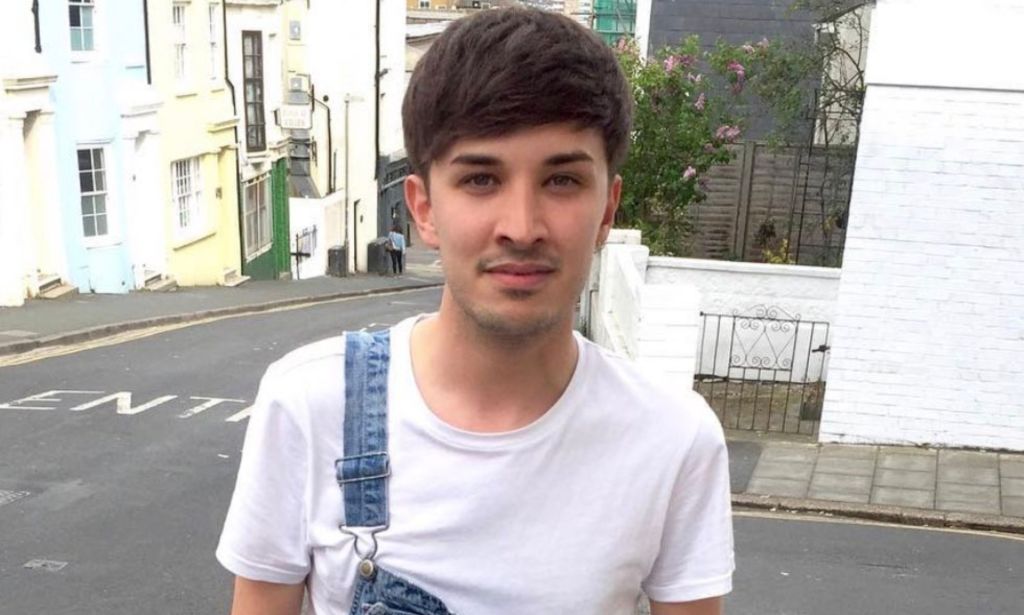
(563, 181)
(479, 180)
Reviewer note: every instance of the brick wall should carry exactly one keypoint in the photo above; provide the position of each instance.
(929, 343)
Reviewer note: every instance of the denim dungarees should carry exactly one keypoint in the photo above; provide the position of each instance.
(363, 473)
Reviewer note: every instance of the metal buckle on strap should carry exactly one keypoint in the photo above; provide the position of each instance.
(369, 555)
(384, 473)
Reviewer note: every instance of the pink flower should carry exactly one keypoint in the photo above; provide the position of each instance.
(689, 173)
(695, 78)
(671, 63)
(737, 69)
(701, 101)
(688, 60)
(727, 133)
(748, 48)
(621, 45)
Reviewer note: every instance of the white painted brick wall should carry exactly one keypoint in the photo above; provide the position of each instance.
(929, 339)
(804, 293)
(655, 324)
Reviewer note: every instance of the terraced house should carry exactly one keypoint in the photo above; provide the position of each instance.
(198, 242)
(88, 134)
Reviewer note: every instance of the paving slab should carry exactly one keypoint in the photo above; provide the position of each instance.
(907, 450)
(895, 496)
(791, 470)
(790, 452)
(1013, 487)
(847, 451)
(899, 461)
(967, 498)
(968, 475)
(968, 458)
(1011, 466)
(778, 486)
(905, 479)
(841, 483)
(853, 466)
(1013, 506)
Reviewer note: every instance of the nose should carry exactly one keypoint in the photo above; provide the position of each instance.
(521, 220)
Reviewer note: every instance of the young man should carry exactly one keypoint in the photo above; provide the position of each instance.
(530, 470)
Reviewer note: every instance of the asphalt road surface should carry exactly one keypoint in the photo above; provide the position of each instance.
(117, 464)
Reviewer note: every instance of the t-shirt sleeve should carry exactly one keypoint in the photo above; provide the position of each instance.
(696, 559)
(264, 536)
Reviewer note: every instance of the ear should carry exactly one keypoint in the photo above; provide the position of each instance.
(610, 207)
(417, 199)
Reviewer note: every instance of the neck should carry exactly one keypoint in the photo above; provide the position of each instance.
(476, 380)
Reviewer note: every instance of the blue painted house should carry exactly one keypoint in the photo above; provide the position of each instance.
(106, 142)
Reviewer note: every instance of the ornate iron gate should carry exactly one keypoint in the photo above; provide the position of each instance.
(763, 369)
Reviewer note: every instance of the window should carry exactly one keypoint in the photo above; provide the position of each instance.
(214, 41)
(180, 42)
(424, 4)
(80, 17)
(257, 216)
(186, 187)
(92, 186)
(252, 59)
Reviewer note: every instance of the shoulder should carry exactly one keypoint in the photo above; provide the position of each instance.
(304, 380)
(662, 406)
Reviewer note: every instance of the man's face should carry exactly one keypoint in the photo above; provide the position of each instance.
(517, 219)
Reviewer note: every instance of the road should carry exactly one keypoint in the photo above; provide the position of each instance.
(117, 463)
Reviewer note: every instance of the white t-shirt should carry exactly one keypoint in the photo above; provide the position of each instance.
(623, 483)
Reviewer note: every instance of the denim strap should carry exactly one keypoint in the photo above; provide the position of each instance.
(363, 471)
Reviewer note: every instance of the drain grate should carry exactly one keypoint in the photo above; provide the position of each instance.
(6, 497)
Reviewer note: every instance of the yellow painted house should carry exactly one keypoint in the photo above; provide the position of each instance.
(198, 159)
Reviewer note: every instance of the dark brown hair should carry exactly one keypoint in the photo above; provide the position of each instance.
(506, 69)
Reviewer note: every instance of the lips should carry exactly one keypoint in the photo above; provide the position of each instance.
(520, 276)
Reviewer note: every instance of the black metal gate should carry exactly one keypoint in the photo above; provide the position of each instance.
(763, 369)
(391, 207)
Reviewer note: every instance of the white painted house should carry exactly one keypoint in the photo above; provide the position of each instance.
(31, 244)
(929, 334)
(356, 60)
(923, 339)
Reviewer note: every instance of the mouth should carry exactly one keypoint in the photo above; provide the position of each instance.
(520, 276)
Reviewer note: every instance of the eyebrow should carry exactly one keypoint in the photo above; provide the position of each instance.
(485, 160)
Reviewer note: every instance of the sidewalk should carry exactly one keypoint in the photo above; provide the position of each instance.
(901, 484)
(88, 316)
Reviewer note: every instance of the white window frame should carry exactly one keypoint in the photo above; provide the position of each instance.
(187, 195)
(426, 2)
(213, 11)
(100, 190)
(84, 7)
(179, 30)
(257, 217)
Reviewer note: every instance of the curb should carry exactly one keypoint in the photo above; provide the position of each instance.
(101, 331)
(877, 512)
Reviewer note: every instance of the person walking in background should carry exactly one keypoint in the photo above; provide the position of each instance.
(396, 248)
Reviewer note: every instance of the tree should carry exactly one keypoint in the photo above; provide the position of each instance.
(681, 128)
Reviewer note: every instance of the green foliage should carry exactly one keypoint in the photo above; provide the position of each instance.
(681, 129)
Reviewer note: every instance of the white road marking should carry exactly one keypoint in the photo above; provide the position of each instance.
(124, 403)
(209, 403)
(45, 397)
(244, 414)
(813, 518)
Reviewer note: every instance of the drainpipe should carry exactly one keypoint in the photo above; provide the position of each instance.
(35, 18)
(376, 98)
(145, 26)
(330, 148)
(348, 192)
(238, 145)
